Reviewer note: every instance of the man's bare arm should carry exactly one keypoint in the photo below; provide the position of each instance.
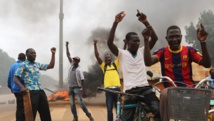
(52, 62)
(202, 35)
(118, 18)
(148, 58)
(143, 18)
(96, 53)
(68, 53)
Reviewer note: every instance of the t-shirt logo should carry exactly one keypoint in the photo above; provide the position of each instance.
(166, 59)
(185, 57)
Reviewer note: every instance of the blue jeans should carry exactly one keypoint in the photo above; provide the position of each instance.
(76, 92)
(111, 100)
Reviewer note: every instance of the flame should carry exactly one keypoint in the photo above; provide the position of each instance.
(59, 95)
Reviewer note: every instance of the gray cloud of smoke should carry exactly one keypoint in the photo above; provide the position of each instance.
(35, 23)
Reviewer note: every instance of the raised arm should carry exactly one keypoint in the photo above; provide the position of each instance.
(202, 35)
(143, 18)
(96, 53)
(148, 58)
(118, 18)
(52, 62)
(68, 53)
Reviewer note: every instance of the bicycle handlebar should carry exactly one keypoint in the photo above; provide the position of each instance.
(201, 82)
(165, 77)
(118, 92)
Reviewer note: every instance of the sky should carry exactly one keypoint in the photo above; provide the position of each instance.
(35, 24)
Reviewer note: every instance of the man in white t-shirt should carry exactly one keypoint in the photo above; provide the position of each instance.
(133, 68)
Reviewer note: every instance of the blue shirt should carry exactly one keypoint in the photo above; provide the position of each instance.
(10, 83)
(29, 72)
(211, 83)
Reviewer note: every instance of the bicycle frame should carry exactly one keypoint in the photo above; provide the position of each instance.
(122, 106)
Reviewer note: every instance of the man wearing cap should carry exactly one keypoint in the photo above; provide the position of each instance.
(76, 83)
(16, 89)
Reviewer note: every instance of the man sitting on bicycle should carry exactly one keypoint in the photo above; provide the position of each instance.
(133, 68)
(176, 61)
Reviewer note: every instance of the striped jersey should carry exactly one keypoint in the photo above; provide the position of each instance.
(177, 64)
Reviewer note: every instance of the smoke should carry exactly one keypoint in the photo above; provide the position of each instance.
(35, 24)
(94, 75)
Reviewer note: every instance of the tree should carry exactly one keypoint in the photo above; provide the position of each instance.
(5, 63)
(207, 19)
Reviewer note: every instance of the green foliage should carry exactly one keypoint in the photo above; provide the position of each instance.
(5, 63)
(207, 19)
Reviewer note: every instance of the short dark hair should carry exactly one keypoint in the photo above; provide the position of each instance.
(172, 27)
(28, 50)
(211, 71)
(21, 57)
(128, 35)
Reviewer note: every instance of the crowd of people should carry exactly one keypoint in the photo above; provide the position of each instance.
(175, 60)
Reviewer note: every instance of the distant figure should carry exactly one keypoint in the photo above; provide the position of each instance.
(111, 79)
(29, 72)
(76, 83)
(211, 78)
(16, 89)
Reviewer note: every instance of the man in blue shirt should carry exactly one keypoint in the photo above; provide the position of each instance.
(15, 88)
(29, 72)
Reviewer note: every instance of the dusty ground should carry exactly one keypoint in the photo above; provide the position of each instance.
(60, 110)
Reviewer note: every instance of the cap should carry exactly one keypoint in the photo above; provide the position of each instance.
(76, 58)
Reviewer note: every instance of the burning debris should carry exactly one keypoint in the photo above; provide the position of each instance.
(59, 95)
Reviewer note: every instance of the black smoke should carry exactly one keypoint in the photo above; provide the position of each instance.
(94, 75)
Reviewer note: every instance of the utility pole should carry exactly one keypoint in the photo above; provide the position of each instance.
(61, 17)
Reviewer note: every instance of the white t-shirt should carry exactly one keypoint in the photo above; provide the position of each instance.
(134, 70)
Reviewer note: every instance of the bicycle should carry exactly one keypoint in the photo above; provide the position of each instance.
(141, 108)
(182, 98)
(205, 83)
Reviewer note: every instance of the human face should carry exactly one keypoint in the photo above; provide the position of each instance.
(133, 43)
(108, 59)
(76, 62)
(174, 39)
(31, 55)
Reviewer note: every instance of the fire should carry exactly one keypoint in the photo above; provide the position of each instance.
(59, 95)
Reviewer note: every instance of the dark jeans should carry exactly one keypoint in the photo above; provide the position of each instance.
(39, 103)
(149, 99)
(76, 92)
(111, 100)
(20, 116)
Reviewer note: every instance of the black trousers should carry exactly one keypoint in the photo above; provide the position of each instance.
(20, 116)
(39, 103)
(149, 99)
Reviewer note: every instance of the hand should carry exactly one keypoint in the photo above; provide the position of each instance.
(84, 94)
(201, 33)
(67, 43)
(53, 50)
(141, 17)
(119, 17)
(95, 42)
(23, 90)
(146, 33)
